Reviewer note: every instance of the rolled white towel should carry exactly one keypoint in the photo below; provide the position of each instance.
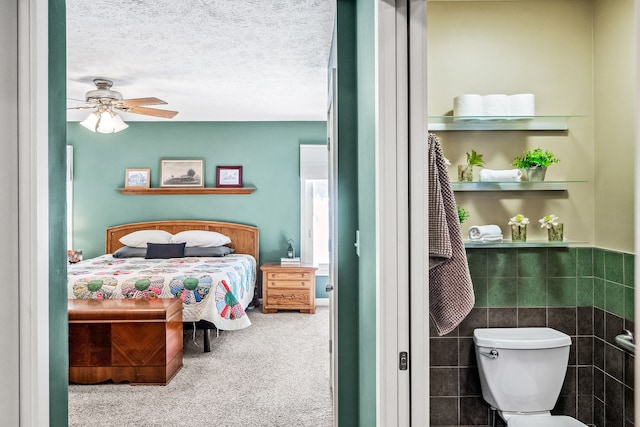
(500, 175)
(485, 233)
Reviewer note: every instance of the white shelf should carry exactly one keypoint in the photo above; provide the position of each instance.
(511, 186)
(463, 123)
(527, 244)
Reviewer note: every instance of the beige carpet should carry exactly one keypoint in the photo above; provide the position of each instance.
(274, 373)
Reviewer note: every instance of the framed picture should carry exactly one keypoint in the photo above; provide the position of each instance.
(137, 178)
(229, 176)
(181, 173)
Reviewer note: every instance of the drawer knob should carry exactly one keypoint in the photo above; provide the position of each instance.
(293, 296)
(302, 283)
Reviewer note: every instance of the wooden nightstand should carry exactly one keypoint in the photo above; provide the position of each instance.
(288, 288)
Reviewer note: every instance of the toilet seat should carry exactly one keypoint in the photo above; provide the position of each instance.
(543, 421)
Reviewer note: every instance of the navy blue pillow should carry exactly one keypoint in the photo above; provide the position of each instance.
(165, 250)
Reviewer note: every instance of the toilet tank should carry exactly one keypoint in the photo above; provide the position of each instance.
(521, 369)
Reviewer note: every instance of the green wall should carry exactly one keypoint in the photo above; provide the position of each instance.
(366, 208)
(58, 344)
(348, 285)
(268, 152)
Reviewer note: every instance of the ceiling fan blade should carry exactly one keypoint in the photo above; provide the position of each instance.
(141, 101)
(150, 112)
(82, 107)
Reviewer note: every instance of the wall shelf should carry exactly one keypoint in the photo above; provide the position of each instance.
(189, 190)
(463, 123)
(511, 186)
(528, 244)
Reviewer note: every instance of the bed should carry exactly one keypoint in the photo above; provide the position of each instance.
(215, 290)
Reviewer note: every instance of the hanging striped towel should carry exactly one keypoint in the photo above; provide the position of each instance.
(451, 295)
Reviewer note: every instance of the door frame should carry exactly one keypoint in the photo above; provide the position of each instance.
(418, 213)
(28, 247)
(401, 209)
(332, 153)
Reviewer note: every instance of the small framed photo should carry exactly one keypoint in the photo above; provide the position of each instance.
(181, 173)
(228, 176)
(137, 177)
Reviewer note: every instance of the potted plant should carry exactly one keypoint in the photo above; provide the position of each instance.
(465, 172)
(535, 163)
(518, 225)
(554, 228)
(463, 214)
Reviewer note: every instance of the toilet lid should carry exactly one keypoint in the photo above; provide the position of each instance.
(543, 421)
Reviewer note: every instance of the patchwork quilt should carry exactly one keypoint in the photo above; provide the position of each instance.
(215, 289)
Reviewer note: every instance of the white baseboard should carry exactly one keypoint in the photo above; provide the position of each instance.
(322, 301)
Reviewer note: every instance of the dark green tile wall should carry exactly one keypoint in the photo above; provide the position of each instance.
(553, 277)
(585, 292)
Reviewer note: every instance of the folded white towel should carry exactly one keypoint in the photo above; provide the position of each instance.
(490, 238)
(500, 175)
(485, 233)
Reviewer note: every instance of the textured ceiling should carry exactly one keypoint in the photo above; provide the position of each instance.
(210, 60)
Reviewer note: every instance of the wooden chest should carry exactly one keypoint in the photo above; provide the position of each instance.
(135, 340)
(288, 288)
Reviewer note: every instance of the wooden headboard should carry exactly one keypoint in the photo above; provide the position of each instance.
(244, 238)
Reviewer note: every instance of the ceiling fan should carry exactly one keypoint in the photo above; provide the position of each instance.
(103, 100)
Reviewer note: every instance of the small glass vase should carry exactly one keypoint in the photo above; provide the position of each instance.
(519, 233)
(465, 173)
(556, 233)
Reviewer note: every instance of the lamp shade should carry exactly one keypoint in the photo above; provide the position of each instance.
(104, 122)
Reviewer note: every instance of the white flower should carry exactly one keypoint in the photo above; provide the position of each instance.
(519, 220)
(446, 161)
(548, 221)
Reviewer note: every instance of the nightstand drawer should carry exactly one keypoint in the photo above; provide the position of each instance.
(288, 283)
(286, 298)
(290, 275)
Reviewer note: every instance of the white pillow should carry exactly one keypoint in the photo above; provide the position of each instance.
(201, 238)
(139, 239)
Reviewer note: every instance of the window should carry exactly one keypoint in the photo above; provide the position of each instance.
(314, 207)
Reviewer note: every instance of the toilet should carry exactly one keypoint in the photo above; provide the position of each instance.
(521, 374)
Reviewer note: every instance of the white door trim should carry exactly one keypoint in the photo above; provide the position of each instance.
(392, 319)
(33, 211)
(418, 210)
(9, 310)
(401, 211)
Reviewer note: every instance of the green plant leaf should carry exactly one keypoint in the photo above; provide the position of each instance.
(474, 159)
(463, 214)
(535, 158)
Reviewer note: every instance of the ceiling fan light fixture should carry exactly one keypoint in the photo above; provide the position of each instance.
(104, 122)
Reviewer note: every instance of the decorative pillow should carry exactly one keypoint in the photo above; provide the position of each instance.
(211, 251)
(201, 238)
(139, 239)
(165, 250)
(130, 252)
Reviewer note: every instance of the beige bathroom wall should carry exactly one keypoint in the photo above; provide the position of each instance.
(615, 114)
(544, 47)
